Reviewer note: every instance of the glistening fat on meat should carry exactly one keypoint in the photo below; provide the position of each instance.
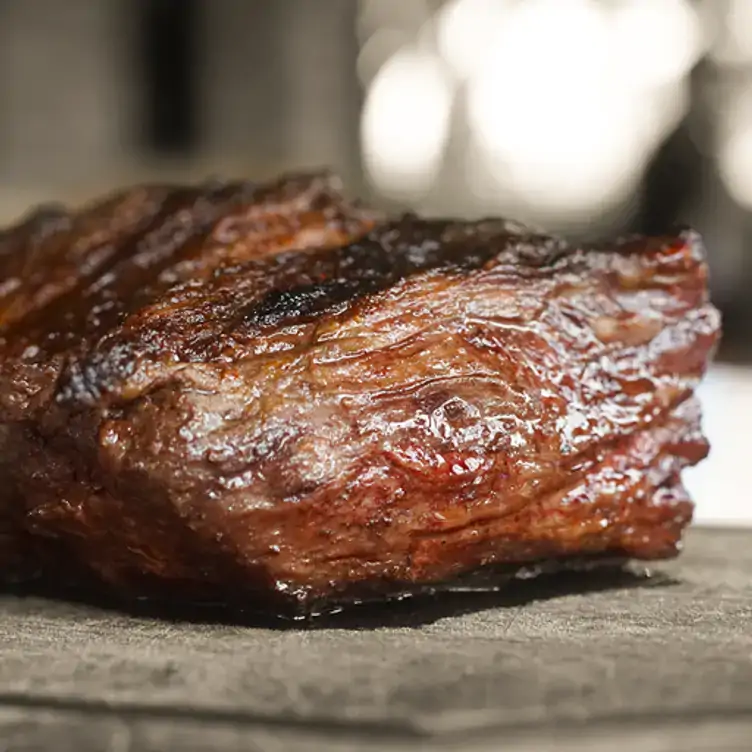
(268, 395)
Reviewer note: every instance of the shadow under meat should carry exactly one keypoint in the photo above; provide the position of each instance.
(401, 610)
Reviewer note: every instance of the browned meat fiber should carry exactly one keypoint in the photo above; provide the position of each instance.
(268, 395)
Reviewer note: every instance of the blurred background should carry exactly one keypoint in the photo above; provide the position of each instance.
(588, 117)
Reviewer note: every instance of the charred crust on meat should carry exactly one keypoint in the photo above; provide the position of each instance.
(387, 255)
(266, 393)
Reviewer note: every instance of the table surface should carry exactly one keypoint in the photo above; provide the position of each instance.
(568, 663)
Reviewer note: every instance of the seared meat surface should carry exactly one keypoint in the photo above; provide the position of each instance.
(262, 394)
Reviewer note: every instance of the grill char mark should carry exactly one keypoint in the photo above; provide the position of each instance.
(389, 254)
(56, 295)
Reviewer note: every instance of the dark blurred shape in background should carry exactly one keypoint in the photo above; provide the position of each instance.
(168, 55)
(583, 116)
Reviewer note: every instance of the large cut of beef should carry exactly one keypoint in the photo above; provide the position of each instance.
(266, 394)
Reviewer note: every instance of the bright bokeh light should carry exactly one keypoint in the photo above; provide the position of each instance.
(734, 143)
(719, 484)
(735, 165)
(466, 31)
(655, 42)
(734, 45)
(565, 98)
(545, 108)
(379, 48)
(405, 123)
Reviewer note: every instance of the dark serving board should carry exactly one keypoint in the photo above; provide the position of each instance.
(579, 662)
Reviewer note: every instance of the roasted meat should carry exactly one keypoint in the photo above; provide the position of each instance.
(267, 395)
